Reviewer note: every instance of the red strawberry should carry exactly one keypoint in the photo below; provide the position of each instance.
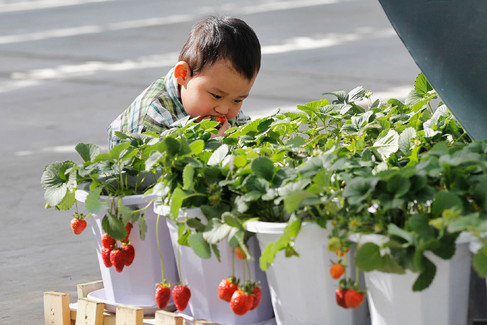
(241, 302)
(105, 254)
(118, 257)
(221, 119)
(180, 296)
(240, 253)
(162, 294)
(257, 294)
(353, 298)
(337, 270)
(226, 288)
(129, 254)
(128, 227)
(78, 225)
(107, 241)
(340, 297)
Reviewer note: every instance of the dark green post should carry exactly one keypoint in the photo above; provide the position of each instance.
(448, 41)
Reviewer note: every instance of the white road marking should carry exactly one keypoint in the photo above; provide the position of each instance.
(36, 5)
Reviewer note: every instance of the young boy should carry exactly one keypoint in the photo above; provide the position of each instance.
(217, 68)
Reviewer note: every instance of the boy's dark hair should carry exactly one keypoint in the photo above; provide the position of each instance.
(216, 38)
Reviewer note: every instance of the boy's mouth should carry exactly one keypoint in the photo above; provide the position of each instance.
(219, 119)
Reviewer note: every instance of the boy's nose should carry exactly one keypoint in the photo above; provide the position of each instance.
(222, 109)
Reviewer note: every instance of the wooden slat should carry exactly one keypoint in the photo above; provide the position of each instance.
(89, 312)
(56, 308)
(85, 288)
(164, 317)
(129, 315)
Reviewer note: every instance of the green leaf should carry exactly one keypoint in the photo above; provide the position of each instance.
(296, 142)
(232, 221)
(421, 85)
(293, 200)
(171, 146)
(480, 261)
(88, 152)
(444, 201)
(398, 185)
(368, 257)
(356, 94)
(188, 174)
(177, 199)
(426, 277)
(268, 255)
(218, 155)
(447, 247)
(114, 227)
(153, 160)
(197, 146)
(93, 203)
(218, 231)
(405, 140)
(263, 167)
(199, 245)
(394, 230)
(387, 143)
(59, 181)
(358, 189)
(391, 266)
(239, 161)
(196, 224)
(55, 195)
(116, 153)
(142, 228)
(68, 201)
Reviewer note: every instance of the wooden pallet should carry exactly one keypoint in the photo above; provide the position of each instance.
(59, 311)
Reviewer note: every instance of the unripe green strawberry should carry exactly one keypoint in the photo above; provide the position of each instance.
(334, 244)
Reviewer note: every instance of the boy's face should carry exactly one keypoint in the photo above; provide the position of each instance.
(218, 90)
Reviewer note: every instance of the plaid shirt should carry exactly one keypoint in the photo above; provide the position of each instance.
(155, 109)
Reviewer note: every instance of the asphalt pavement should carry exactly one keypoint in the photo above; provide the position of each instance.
(69, 67)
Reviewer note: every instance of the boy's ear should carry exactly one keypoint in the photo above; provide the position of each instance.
(181, 71)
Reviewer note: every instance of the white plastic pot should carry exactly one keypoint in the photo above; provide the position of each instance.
(203, 276)
(444, 302)
(135, 285)
(302, 289)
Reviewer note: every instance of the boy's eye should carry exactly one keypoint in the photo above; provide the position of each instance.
(238, 100)
(216, 96)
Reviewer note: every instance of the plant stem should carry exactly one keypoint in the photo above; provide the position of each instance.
(244, 273)
(159, 246)
(233, 261)
(179, 264)
(248, 267)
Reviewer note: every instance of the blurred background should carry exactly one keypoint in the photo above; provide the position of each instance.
(69, 67)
